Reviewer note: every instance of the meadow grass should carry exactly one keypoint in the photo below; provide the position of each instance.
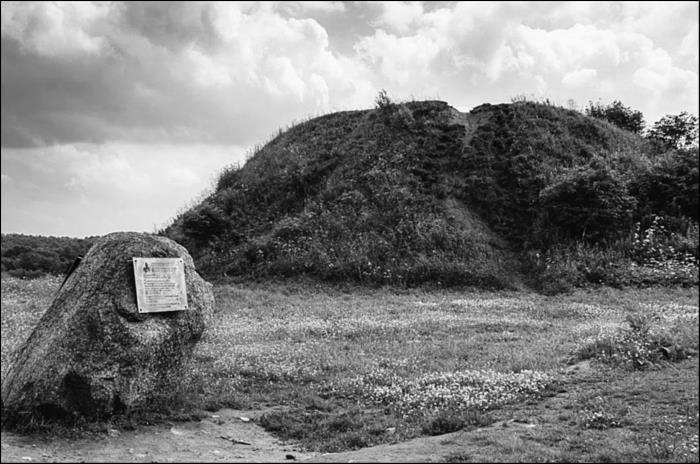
(348, 368)
(23, 303)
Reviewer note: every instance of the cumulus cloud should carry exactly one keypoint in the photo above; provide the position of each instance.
(152, 72)
(149, 72)
(96, 189)
(688, 49)
(50, 29)
(401, 59)
(564, 51)
(299, 8)
(93, 88)
(579, 77)
(399, 16)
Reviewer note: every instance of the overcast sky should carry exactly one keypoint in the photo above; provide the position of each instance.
(117, 115)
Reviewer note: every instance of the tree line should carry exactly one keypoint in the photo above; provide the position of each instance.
(29, 256)
(679, 131)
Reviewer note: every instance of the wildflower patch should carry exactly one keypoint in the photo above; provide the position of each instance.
(457, 392)
(601, 413)
(657, 332)
(675, 440)
(664, 256)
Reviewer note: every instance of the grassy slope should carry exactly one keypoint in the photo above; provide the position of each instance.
(349, 196)
(523, 149)
(322, 356)
(415, 193)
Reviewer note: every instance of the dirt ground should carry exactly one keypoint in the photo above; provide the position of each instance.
(227, 439)
(225, 436)
(233, 436)
(222, 437)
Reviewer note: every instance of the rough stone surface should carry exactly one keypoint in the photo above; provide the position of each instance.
(92, 353)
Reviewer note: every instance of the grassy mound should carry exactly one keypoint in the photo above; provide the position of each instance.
(420, 192)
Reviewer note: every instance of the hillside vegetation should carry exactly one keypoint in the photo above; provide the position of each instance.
(420, 192)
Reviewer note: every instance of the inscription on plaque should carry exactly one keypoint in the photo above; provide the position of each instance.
(160, 284)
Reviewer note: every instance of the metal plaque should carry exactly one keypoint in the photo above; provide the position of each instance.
(160, 284)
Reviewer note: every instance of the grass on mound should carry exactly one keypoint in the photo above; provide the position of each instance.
(344, 370)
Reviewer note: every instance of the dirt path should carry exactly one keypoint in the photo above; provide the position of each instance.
(225, 436)
(221, 437)
(203, 442)
(538, 428)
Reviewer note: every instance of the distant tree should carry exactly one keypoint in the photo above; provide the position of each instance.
(33, 255)
(618, 114)
(675, 131)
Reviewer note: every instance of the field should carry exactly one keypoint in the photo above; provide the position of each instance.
(594, 375)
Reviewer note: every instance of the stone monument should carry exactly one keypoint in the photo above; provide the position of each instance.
(93, 354)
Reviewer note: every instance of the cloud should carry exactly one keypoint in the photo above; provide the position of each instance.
(230, 73)
(50, 29)
(579, 77)
(161, 73)
(688, 49)
(173, 25)
(399, 16)
(400, 59)
(108, 187)
(559, 51)
(299, 8)
(106, 104)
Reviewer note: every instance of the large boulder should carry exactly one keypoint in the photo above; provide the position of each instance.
(93, 354)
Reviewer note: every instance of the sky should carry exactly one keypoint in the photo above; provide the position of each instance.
(116, 116)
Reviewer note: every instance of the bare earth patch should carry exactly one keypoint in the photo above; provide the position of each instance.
(221, 437)
(550, 429)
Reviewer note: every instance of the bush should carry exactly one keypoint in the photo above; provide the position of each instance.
(563, 267)
(204, 222)
(669, 186)
(584, 204)
(527, 160)
(650, 338)
(444, 422)
(228, 178)
(618, 114)
(657, 244)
